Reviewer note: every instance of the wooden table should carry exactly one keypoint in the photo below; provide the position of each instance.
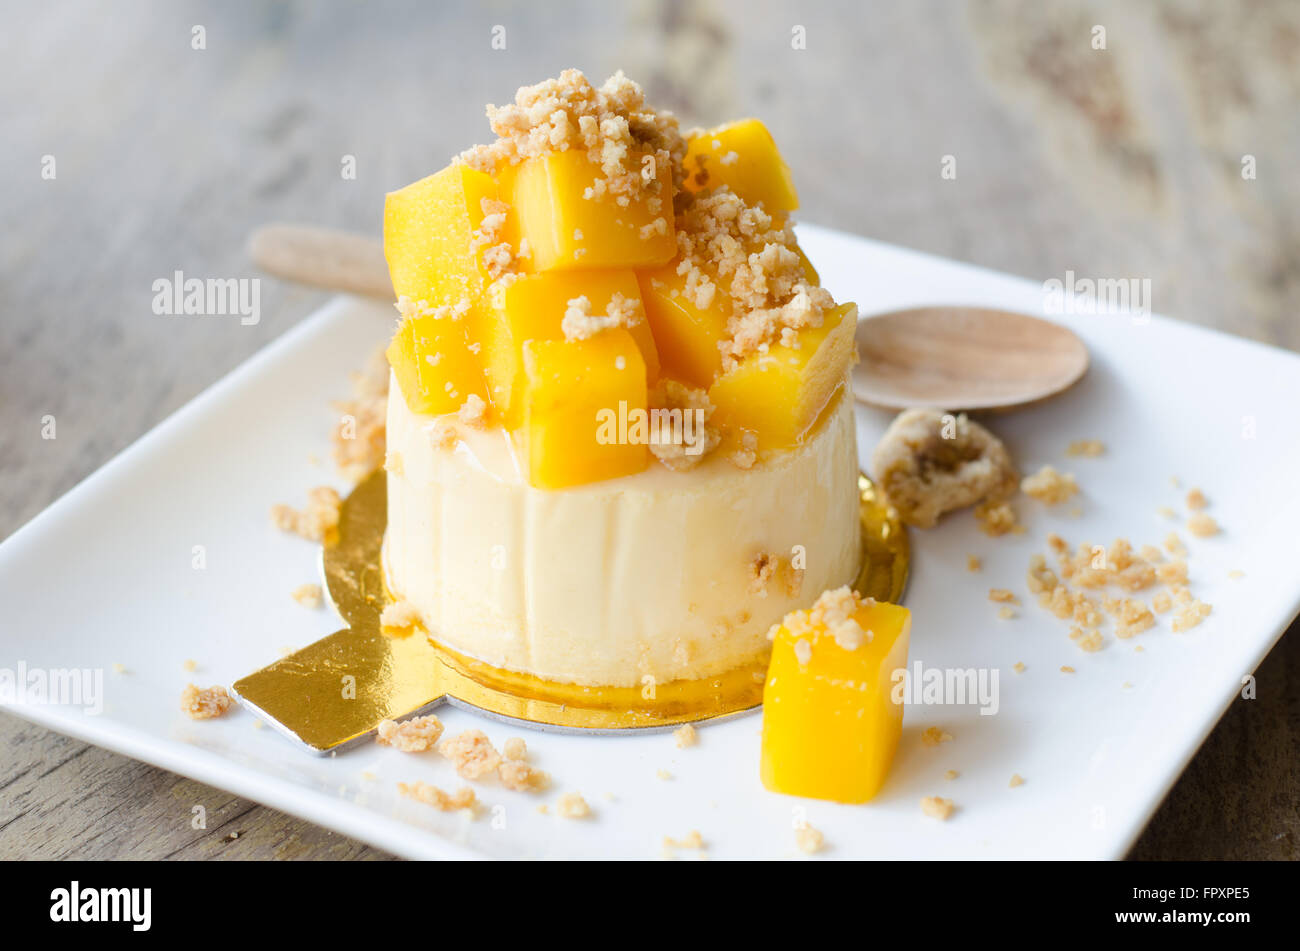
(1119, 162)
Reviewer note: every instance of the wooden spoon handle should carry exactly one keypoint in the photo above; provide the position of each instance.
(322, 257)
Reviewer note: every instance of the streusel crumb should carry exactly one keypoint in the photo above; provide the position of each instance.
(933, 736)
(1196, 500)
(808, 839)
(473, 412)
(998, 518)
(1202, 525)
(418, 735)
(515, 749)
(572, 806)
(361, 434)
(973, 563)
(1190, 615)
(204, 703)
(692, 840)
(520, 776)
(308, 595)
(471, 753)
(1049, 486)
(936, 807)
(686, 735)
(314, 522)
(1016, 780)
(1086, 447)
(1002, 595)
(463, 798)
(399, 616)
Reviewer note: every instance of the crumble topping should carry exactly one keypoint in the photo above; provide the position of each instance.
(515, 749)
(360, 436)
(463, 798)
(1190, 615)
(1002, 595)
(473, 412)
(669, 442)
(1196, 500)
(1067, 669)
(808, 839)
(308, 595)
(833, 611)
(1086, 447)
(204, 703)
(998, 518)
(692, 840)
(572, 806)
(471, 753)
(746, 454)
(314, 522)
(520, 776)
(399, 616)
(933, 736)
(727, 246)
(1018, 667)
(930, 462)
(1016, 780)
(973, 563)
(1049, 486)
(1202, 525)
(936, 807)
(612, 125)
(417, 735)
(685, 735)
(581, 324)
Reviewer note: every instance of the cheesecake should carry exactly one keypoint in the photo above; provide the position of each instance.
(620, 440)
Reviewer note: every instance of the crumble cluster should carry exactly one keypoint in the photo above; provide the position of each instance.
(678, 400)
(580, 323)
(930, 462)
(316, 521)
(361, 435)
(204, 703)
(611, 124)
(417, 735)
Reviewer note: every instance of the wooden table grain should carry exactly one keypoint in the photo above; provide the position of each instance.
(1122, 161)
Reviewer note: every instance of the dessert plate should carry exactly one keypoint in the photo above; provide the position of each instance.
(167, 554)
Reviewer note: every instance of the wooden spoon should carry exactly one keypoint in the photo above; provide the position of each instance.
(962, 358)
(937, 357)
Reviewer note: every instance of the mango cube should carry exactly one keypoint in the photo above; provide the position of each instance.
(435, 369)
(428, 236)
(830, 722)
(532, 308)
(567, 231)
(575, 393)
(743, 156)
(779, 395)
(688, 335)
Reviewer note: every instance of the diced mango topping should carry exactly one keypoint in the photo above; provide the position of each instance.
(429, 236)
(743, 156)
(575, 393)
(433, 364)
(568, 226)
(779, 395)
(830, 723)
(533, 308)
(591, 222)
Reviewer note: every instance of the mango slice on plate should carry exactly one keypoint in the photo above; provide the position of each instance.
(779, 395)
(830, 723)
(565, 229)
(532, 308)
(428, 236)
(743, 156)
(435, 369)
(575, 392)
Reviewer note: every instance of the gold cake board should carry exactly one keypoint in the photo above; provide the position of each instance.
(333, 694)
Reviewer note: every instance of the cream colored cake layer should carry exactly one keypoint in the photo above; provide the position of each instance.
(658, 573)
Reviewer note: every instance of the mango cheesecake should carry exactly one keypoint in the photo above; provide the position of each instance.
(620, 441)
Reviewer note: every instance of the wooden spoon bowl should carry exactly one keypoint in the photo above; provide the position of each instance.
(963, 358)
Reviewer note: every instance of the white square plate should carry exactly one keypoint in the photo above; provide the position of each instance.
(105, 576)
